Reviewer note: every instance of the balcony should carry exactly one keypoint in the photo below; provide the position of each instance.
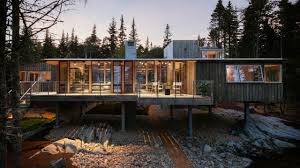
(154, 93)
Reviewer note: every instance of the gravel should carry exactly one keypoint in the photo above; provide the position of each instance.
(121, 149)
(124, 156)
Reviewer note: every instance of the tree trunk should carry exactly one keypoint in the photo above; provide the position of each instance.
(15, 76)
(3, 90)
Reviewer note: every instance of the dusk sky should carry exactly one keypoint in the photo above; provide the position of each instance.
(187, 18)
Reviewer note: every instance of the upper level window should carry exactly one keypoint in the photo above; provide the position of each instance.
(272, 73)
(244, 73)
(212, 54)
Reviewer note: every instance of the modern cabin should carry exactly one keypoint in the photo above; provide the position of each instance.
(182, 77)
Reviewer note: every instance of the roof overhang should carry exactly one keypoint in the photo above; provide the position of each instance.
(56, 60)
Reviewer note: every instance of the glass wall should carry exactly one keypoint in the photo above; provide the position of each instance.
(141, 72)
(122, 76)
(63, 77)
(150, 72)
(79, 77)
(101, 77)
(117, 82)
(128, 77)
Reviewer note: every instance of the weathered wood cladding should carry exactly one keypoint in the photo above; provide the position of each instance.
(226, 92)
(186, 49)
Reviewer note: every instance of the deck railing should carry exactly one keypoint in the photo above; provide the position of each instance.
(199, 89)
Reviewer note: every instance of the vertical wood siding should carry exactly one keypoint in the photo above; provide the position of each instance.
(223, 91)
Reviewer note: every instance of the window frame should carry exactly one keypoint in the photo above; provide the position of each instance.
(238, 67)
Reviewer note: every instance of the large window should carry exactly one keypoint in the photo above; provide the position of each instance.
(212, 54)
(244, 73)
(272, 73)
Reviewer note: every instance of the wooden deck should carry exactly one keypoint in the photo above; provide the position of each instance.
(146, 99)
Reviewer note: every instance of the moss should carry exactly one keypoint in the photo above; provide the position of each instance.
(34, 123)
(204, 108)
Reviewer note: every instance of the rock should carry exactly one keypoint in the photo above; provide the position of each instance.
(283, 144)
(51, 149)
(71, 148)
(207, 148)
(194, 149)
(60, 163)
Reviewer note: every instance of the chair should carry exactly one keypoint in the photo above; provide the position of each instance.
(177, 87)
(158, 86)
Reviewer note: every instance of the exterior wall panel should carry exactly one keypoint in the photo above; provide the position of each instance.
(226, 92)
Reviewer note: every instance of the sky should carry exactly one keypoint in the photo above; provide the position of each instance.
(187, 18)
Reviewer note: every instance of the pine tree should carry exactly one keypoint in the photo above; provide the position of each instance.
(113, 39)
(167, 36)
(256, 35)
(92, 45)
(140, 51)
(133, 33)
(72, 35)
(49, 50)
(231, 30)
(105, 48)
(62, 47)
(122, 32)
(73, 45)
(121, 38)
(30, 49)
(216, 28)
(201, 41)
(147, 44)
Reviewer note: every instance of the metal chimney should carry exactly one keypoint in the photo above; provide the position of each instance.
(130, 49)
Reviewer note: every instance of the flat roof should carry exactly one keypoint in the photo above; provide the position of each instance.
(165, 59)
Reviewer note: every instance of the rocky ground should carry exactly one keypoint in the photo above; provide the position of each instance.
(123, 149)
(219, 141)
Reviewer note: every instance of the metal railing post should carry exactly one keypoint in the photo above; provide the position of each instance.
(30, 89)
(193, 88)
(100, 89)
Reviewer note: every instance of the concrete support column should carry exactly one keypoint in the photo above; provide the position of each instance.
(57, 115)
(190, 121)
(123, 116)
(171, 112)
(130, 115)
(209, 110)
(246, 113)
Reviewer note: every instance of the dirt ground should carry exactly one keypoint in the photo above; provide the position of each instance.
(33, 145)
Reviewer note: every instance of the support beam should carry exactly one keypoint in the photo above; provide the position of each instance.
(57, 117)
(130, 115)
(123, 117)
(190, 122)
(209, 110)
(246, 113)
(171, 112)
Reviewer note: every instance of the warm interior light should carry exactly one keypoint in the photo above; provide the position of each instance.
(9, 116)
